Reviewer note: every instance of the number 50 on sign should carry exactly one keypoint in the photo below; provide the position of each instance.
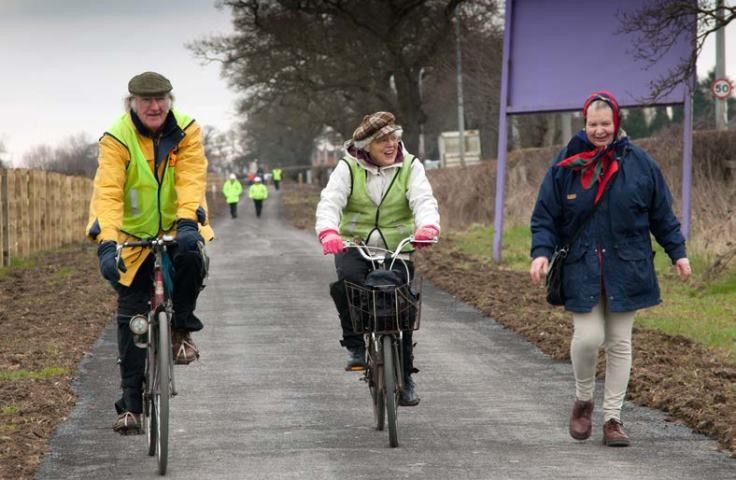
(721, 88)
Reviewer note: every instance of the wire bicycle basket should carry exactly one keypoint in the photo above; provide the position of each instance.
(385, 309)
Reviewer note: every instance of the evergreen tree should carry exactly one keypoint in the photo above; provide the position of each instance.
(635, 123)
(659, 121)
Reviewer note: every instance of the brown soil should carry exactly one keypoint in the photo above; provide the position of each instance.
(51, 313)
(692, 384)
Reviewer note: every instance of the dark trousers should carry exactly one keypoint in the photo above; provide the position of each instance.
(351, 266)
(188, 275)
(259, 206)
(233, 209)
(276, 184)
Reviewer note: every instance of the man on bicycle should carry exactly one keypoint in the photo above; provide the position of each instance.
(378, 193)
(151, 179)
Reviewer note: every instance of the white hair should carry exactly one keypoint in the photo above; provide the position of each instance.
(598, 105)
(129, 102)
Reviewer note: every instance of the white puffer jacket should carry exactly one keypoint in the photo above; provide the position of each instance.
(334, 196)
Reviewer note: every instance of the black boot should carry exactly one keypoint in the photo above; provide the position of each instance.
(408, 396)
(356, 358)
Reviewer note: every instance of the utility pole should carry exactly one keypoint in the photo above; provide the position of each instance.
(721, 103)
(460, 107)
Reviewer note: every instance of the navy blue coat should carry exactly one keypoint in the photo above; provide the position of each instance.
(637, 202)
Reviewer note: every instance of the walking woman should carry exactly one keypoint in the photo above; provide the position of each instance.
(614, 192)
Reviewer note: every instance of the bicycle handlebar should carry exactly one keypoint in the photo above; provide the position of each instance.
(363, 248)
(163, 240)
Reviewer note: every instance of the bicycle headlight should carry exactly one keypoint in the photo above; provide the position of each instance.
(139, 325)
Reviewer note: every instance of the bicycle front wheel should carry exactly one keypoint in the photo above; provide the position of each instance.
(375, 384)
(161, 394)
(390, 390)
(151, 380)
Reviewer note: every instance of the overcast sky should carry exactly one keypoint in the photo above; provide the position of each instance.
(65, 64)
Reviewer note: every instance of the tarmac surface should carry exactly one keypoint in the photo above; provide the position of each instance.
(269, 398)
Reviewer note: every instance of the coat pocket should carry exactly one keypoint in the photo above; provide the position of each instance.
(636, 268)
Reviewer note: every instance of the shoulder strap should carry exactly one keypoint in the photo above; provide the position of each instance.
(580, 229)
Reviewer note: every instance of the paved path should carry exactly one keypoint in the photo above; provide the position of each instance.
(269, 398)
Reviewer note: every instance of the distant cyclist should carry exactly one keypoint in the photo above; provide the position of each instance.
(150, 179)
(380, 194)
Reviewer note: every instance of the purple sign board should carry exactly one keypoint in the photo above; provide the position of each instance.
(563, 50)
(555, 53)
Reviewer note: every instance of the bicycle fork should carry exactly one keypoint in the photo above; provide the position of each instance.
(154, 327)
(397, 351)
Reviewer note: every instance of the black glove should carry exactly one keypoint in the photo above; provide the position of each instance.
(106, 252)
(187, 235)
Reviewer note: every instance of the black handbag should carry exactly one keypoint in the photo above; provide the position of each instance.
(555, 289)
(555, 293)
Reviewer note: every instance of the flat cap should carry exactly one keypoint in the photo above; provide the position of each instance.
(373, 126)
(148, 84)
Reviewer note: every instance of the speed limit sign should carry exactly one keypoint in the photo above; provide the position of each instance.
(721, 88)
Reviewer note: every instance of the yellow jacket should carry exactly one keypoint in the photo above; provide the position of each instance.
(106, 206)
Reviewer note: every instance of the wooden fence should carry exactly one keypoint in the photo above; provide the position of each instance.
(40, 210)
(43, 210)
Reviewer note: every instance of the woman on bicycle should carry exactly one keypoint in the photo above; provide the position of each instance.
(379, 194)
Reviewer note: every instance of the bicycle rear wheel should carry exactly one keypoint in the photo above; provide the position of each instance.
(375, 384)
(161, 394)
(390, 390)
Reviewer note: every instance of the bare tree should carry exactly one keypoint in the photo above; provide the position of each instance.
(76, 155)
(481, 41)
(661, 24)
(347, 57)
(38, 157)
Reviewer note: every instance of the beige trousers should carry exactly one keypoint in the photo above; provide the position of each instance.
(597, 328)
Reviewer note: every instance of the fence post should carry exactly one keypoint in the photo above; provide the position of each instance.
(22, 203)
(4, 259)
(68, 224)
(12, 232)
(33, 213)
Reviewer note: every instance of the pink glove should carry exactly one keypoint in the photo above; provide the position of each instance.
(331, 242)
(429, 232)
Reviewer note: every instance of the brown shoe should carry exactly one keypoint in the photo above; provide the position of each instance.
(183, 347)
(128, 423)
(614, 435)
(580, 421)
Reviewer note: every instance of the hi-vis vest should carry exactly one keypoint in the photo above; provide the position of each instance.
(149, 206)
(392, 218)
(276, 174)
